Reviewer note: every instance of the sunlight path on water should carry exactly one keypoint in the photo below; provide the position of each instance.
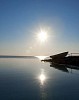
(41, 57)
(42, 78)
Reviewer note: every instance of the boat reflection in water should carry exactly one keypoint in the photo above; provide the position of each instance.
(59, 67)
(64, 67)
(62, 61)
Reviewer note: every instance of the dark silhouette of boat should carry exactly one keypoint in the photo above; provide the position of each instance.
(55, 58)
(63, 61)
(63, 58)
(60, 55)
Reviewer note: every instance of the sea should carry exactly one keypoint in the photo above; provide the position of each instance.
(31, 79)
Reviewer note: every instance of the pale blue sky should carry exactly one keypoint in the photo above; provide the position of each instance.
(20, 20)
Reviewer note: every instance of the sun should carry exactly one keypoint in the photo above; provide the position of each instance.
(42, 36)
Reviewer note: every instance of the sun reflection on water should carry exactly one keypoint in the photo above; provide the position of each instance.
(42, 77)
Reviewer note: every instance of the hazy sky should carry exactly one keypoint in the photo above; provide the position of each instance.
(22, 20)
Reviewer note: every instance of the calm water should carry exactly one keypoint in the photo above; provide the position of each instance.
(31, 79)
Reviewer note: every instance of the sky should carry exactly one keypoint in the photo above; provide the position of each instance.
(22, 20)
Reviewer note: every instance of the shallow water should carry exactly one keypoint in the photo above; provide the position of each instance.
(31, 79)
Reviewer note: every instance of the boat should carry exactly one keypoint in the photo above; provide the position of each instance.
(63, 58)
(60, 55)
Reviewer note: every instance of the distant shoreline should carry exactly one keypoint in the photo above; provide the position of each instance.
(9, 56)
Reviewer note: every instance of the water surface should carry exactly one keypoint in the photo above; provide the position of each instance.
(31, 79)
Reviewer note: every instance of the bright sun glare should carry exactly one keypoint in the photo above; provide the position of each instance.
(42, 36)
(41, 57)
(42, 77)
